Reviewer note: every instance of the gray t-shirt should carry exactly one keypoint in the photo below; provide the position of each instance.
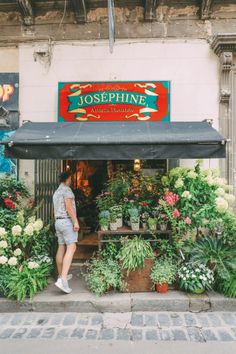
(63, 192)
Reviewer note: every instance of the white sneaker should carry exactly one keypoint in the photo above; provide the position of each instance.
(63, 286)
(69, 277)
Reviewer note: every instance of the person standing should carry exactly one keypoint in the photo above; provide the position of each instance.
(67, 227)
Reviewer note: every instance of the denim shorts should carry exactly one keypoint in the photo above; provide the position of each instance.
(65, 232)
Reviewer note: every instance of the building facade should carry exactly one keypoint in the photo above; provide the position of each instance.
(191, 43)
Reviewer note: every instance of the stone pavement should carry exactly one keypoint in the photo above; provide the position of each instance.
(136, 326)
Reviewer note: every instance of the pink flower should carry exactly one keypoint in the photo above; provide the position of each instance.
(171, 198)
(188, 221)
(176, 213)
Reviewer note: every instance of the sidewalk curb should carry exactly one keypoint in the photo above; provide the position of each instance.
(122, 302)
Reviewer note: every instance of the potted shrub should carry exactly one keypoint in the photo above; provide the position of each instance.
(162, 222)
(152, 224)
(163, 273)
(134, 221)
(104, 223)
(144, 218)
(136, 259)
(195, 278)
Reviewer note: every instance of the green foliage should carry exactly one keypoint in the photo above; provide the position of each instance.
(27, 282)
(10, 185)
(110, 251)
(103, 275)
(134, 252)
(165, 248)
(215, 254)
(228, 286)
(163, 271)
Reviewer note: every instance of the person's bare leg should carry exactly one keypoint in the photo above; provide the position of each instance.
(59, 258)
(67, 260)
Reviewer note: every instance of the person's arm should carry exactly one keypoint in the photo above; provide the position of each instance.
(71, 211)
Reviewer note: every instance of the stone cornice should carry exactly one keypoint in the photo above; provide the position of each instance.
(224, 42)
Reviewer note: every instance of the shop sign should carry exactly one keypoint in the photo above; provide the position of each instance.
(114, 101)
(9, 91)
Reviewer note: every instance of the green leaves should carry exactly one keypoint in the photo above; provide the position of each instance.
(134, 252)
(163, 271)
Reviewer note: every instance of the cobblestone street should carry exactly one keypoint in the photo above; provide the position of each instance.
(168, 326)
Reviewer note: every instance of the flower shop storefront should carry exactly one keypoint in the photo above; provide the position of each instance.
(168, 228)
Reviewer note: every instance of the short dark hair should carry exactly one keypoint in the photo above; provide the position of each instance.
(64, 176)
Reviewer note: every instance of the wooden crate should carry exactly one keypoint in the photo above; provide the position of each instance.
(139, 281)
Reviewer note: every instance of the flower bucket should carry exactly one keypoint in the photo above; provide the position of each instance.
(104, 227)
(113, 226)
(163, 227)
(135, 226)
(162, 288)
(119, 222)
(152, 227)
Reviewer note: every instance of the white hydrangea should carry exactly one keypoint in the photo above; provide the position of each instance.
(17, 252)
(29, 229)
(187, 195)
(221, 204)
(2, 232)
(16, 230)
(33, 265)
(3, 244)
(38, 225)
(179, 183)
(12, 261)
(220, 191)
(230, 198)
(32, 220)
(3, 260)
(219, 181)
(192, 174)
(209, 180)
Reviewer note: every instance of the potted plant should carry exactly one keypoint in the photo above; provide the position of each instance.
(162, 222)
(152, 224)
(195, 278)
(104, 223)
(136, 259)
(113, 222)
(162, 274)
(135, 221)
(144, 218)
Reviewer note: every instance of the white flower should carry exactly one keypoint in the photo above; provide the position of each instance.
(3, 260)
(3, 244)
(17, 252)
(219, 181)
(16, 230)
(2, 231)
(29, 229)
(38, 225)
(220, 191)
(187, 195)
(12, 261)
(33, 265)
(230, 198)
(221, 204)
(192, 174)
(179, 183)
(32, 219)
(209, 180)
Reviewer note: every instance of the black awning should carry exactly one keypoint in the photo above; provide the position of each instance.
(116, 141)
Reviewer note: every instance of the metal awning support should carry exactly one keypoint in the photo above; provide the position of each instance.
(116, 141)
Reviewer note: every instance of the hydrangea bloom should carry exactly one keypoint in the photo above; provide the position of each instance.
(3, 260)
(192, 174)
(2, 231)
(16, 230)
(12, 261)
(176, 213)
(171, 198)
(179, 183)
(3, 244)
(221, 204)
(17, 252)
(29, 229)
(38, 225)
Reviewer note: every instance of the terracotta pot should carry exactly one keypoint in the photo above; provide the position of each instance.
(162, 288)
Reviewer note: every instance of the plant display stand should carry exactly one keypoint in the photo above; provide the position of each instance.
(139, 280)
(126, 231)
